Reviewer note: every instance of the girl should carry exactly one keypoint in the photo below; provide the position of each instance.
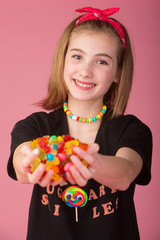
(93, 66)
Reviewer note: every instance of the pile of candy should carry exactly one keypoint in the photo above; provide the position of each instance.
(55, 152)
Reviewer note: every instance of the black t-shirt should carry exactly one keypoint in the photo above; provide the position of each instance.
(108, 214)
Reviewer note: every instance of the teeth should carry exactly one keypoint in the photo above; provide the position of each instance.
(84, 85)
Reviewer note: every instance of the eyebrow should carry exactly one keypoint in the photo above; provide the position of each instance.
(98, 54)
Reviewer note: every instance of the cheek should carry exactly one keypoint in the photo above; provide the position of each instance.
(106, 80)
(66, 72)
(68, 69)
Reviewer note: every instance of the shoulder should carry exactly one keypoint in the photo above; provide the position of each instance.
(40, 118)
(127, 123)
(39, 123)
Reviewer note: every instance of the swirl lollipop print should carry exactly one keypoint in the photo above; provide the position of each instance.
(75, 197)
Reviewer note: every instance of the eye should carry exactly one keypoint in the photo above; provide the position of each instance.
(102, 62)
(79, 197)
(76, 57)
(68, 195)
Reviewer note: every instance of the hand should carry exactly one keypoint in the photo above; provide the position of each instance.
(78, 172)
(39, 176)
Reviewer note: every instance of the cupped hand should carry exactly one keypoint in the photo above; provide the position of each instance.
(39, 176)
(78, 173)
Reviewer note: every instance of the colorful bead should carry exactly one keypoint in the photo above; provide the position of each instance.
(84, 120)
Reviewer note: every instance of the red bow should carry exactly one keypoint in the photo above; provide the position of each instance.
(97, 14)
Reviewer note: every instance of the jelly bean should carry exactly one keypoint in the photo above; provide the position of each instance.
(44, 146)
(56, 161)
(84, 146)
(39, 139)
(85, 163)
(62, 157)
(61, 168)
(60, 146)
(48, 165)
(75, 142)
(60, 138)
(52, 138)
(34, 144)
(45, 139)
(55, 168)
(34, 164)
(54, 152)
(42, 154)
(67, 166)
(55, 146)
(67, 138)
(56, 177)
(50, 156)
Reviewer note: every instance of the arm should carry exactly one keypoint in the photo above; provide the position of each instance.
(22, 158)
(113, 171)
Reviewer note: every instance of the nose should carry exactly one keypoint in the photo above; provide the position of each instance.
(86, 70)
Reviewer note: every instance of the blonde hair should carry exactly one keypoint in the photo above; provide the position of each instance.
(117, 96)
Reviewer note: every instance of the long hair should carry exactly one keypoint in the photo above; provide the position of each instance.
(116, 97)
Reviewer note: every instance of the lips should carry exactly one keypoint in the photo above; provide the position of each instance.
(84, 85)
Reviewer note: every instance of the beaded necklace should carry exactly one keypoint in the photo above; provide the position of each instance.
(84, 120)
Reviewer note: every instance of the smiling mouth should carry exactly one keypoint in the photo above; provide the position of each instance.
(84, 85)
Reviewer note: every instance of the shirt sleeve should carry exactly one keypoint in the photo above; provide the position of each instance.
(23, 131)
(138, 137)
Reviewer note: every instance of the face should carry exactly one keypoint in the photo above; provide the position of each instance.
(90, 65)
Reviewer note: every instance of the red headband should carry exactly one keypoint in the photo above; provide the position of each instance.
(97, 14)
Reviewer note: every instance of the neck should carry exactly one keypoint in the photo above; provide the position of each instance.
(84, 119)
(84, 109)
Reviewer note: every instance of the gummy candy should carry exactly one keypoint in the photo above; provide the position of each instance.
(55, 152)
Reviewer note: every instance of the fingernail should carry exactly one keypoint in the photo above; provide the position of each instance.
(36, 151)
(50, 173)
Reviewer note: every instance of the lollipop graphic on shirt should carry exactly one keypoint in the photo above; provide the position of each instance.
(76, 197)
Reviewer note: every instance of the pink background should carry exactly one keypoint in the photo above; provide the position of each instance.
(29, 32)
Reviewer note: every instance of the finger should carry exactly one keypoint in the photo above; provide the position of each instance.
(77, 176)
(46, 178)
(29, 158)
(37, 174)
(84, 155)
(70, 178)
(85, 172)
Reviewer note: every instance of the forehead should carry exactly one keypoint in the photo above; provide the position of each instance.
(93, 40)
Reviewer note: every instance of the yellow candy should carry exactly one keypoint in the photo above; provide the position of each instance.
(56, 177)
(56, 161)
(48, 165)
(42, 154)
(34, 164)
(59, 138)
(85, 162)
(33, 144)
(75, 142)
(54, 151)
